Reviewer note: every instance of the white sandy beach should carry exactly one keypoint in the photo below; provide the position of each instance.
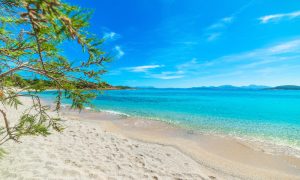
(85, 151)
(90, 149)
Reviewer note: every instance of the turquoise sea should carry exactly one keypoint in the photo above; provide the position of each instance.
(272, 115)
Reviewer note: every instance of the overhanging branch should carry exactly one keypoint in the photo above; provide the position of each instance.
(13, 70)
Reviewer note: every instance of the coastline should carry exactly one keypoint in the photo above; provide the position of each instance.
(268, 146)
(103, 145)
(84, 150)
(252, 116)
(223, 155)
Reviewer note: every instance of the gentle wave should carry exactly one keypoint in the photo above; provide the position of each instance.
(114, 112)
(266, 117)
(278, 147)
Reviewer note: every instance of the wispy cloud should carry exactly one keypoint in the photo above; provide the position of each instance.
(285, 47)
(254, 63)
(145, 68)
(249, 61)
(111, 35)
(221, 23)
(281, 51)
(186, 43)
(278, 17)
(213, 36)
(214, 31)
(120, 52)
(188, 64)
(167, 75)
(156, 72)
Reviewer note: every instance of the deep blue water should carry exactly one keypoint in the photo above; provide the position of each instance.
(263, 114)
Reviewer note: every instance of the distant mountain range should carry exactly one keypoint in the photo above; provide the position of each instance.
(251, 87)
(285, 87)
(230, 87)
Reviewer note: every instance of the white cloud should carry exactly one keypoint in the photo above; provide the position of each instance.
(229, 65)
(111, 35)
(143, 68)
(120, 52)
(213, 36)
(167, 75)
(277, 17)
(227, 19)
(273, 56)
(285, 47)
(186, 43)
(215, 30)
(284, 51)
(221, 23)
(188, 64)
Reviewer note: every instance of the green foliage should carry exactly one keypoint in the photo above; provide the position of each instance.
(28, 126)
(32, 35)
(123, 87)
(16, 80)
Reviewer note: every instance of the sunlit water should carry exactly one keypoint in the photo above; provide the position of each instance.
(263, 114)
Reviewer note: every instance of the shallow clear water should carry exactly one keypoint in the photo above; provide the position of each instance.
(263, 114)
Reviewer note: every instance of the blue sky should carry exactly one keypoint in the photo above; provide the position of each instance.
(176, 43)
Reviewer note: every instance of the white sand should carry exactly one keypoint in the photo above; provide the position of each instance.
(85, 151)
(98, 146)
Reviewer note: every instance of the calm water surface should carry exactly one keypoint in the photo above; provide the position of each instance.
(264, 114)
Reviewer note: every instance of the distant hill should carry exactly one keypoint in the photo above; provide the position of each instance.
(230, 87)
(121, 87)
(18, 81)
(145, 87)
(255, 87)
(285, 87)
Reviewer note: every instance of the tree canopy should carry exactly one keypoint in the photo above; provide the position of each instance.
(32, 34)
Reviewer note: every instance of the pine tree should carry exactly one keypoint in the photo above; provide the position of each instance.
(32, 33)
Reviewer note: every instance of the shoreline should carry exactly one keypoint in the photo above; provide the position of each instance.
(84, 150)
(235, 158)
(269, 145)
(281, 139)
(98, 145)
